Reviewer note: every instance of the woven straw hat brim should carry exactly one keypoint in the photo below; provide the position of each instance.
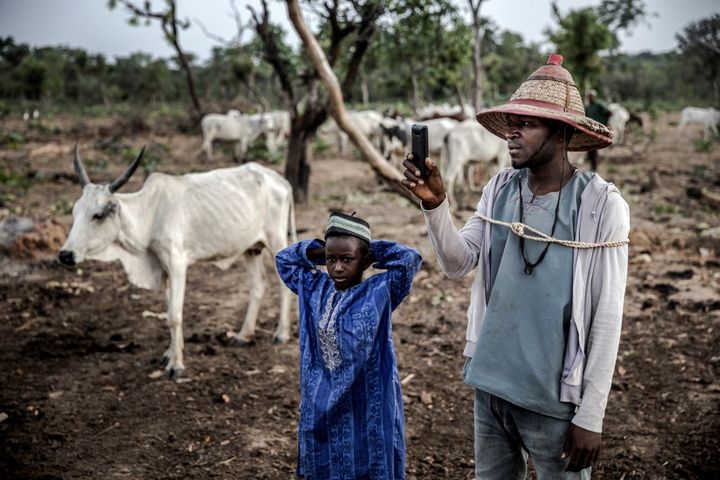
(589, 134)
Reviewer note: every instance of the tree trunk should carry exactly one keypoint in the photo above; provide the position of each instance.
(171, 33)
(478, 69)
(460, 98)
(297, 165)
(416, 93)
(364, 88)
(337, 106)
(188, 77)
(191, 85)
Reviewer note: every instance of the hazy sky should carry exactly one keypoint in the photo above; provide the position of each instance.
(91, 25)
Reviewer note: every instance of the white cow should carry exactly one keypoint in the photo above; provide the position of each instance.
(277, 129)
(394, 139)
(619, 116)
(707, 117)
(437, 131)
(366, 122)
(233, 126)
(330, 133)
(471, 142)
(175, 221)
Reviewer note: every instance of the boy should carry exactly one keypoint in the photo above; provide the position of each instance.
(351, 412)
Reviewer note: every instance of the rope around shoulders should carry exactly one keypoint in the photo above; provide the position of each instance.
(519, 229)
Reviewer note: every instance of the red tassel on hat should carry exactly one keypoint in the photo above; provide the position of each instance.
(555, 59)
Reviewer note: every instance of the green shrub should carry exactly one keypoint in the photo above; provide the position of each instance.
(320, 146)
(11, 139)
(665, 208)
(13, 179)
(702, 145)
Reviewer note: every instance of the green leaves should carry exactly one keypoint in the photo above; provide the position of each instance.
(579, 38)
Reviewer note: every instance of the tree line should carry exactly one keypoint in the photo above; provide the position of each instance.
(421, 51)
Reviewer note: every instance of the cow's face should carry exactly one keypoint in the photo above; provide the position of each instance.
(96, 224)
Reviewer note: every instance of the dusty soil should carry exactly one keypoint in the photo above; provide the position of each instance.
(80, 348)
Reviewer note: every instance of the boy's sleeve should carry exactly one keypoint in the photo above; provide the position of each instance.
(401, 263)
(293, 265)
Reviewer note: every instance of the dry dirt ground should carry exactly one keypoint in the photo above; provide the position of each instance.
(80, 348)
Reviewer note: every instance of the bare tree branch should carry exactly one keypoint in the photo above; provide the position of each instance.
(272, 54)
(169, 24)
(212, 36)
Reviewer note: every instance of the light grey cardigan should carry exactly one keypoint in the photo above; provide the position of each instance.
(599, 277)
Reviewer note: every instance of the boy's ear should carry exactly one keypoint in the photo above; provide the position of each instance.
(367, 261)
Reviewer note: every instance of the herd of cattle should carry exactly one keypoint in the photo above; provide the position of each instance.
(224, 214)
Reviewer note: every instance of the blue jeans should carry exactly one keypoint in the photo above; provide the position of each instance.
(504, 436)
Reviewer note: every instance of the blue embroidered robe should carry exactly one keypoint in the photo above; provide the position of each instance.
(351, 416)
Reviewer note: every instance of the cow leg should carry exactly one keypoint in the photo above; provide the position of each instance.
(709, 128)
(207, 147)
(452, 176)
(240, 150)
(680, 127)
(472, 173)
(175, 291)
(282, 332)
(256, 270)
(271, 142)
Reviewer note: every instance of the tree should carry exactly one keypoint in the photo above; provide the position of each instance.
(583, 33)
(579, 38)
(337, 106)
(507, 61)
(171, 27)
(700, 46)
(478, 34)
(310, 110)
(423, 49)
(622, 14)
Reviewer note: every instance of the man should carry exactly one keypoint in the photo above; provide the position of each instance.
(544, 318)
(597, 111)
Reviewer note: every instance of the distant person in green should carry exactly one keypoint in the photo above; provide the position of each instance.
(599, 112)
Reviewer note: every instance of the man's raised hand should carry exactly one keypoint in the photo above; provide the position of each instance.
(430, 190)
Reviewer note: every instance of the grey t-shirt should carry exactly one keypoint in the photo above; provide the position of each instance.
(521, 346)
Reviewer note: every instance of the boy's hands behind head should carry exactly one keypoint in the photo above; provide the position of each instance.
(430, 190)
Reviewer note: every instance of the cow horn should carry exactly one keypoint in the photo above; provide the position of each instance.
(80, 168)
(122, 179)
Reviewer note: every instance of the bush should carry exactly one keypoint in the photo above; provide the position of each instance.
(13, 179)
(702, 145)
(11, 139)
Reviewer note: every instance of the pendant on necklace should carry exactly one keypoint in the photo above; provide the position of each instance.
(528, 269)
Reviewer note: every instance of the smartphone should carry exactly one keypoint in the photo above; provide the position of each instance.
(419, 135)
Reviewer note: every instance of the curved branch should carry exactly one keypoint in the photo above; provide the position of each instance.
(337, 107)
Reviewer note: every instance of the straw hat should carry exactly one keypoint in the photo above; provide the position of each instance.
(550, 92)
